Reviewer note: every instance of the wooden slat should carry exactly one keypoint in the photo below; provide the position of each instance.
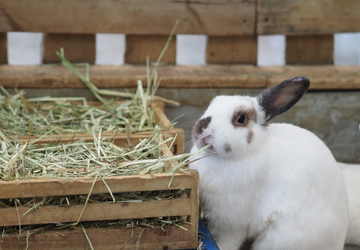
(139, 47)
(76, 186)
(210, 76)
(78, 48)
(160, 116)
(232, 50)
(298, 17)
(194, 213)
(94, 212)
(327, 77)
(126, 76)
(120, 139)
(3, 48)
(150, 238)
(310, 49)
(153, 17)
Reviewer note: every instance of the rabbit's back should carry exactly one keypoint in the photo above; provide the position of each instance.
(305, 192)
(351, 174)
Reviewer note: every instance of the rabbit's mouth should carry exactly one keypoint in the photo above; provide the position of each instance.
(206, 141)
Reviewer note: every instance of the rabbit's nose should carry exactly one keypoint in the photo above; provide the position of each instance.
(200, 126)
(204, 122)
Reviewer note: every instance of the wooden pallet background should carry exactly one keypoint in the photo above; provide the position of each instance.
(232, 28)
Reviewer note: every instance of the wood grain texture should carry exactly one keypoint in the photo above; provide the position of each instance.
(153, 17)
(324, 77)
(195, 204)
(139, 47)
(126, 76)
(94, 212)
(78, 48)
(117, 184)
(232, 50)
(310, 49)
(120, 139)
(151, 238)
(300, 17)
(3, 48)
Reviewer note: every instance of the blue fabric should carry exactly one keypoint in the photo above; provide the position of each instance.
(206, 238)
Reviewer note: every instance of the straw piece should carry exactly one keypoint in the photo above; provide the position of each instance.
(87, 237)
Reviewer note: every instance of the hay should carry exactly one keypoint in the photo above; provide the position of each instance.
(85, 159)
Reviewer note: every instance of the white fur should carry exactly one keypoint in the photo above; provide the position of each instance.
(351, 174)
(284, 188)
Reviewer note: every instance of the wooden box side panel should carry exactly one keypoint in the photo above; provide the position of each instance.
(107, 239)
(76, 186)
(127, 239)
(94, 212)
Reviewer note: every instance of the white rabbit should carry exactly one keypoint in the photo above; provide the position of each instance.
(351, 174)
(275, 183)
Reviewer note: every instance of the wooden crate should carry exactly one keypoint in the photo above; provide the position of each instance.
(121, 138)
(149, 238)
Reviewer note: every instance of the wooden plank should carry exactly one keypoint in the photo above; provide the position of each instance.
(118, 139)
(126, 76)
(150, 238)
(325, 77)
(211, 76)
(139, 47)
(232, 50)
(76, 186)
(194, 197)
(310, 49)
(179, 145)
(299, 17)
(161, 118)
(78, 48)
(3, 48)
(94, 212)
(153, 17)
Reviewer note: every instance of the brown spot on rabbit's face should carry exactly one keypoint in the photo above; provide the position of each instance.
(227, 148)
(241, 117)
(200, 126)
(250, 136)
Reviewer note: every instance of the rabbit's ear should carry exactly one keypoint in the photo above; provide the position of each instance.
(283, 96)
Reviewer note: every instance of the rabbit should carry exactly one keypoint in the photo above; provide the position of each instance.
(351, 173)
(277, 184)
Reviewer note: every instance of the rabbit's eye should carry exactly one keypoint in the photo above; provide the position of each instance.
(241, 119)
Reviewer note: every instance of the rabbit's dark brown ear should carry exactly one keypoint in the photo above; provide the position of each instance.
(283, 96)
